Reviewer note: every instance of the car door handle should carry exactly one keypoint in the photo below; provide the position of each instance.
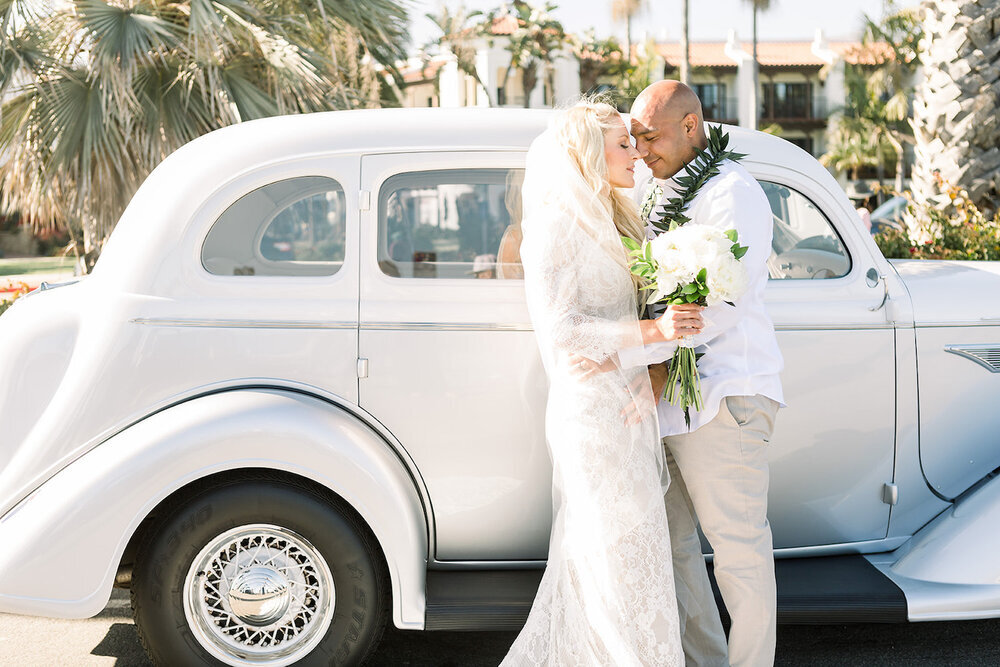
(872, 282)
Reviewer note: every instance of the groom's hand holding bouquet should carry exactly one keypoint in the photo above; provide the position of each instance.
(687, 267)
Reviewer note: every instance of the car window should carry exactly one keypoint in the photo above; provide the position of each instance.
(456, 223)
(805, 244)
(293, 227)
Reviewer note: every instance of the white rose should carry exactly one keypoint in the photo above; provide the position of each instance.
(727, 281)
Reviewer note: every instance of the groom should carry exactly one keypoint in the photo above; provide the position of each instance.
(718, 469)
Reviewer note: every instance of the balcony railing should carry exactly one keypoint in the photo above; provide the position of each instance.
(794, 110)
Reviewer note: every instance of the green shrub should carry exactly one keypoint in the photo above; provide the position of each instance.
(960, 232)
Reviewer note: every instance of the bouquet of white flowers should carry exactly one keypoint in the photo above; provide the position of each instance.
(689, 264)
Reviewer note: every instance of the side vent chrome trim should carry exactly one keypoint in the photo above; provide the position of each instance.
(987, 356)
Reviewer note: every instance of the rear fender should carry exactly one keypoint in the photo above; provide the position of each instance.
(63, 543)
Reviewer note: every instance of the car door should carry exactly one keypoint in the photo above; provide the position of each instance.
(449, 362)
(833, 446)
(272, 296)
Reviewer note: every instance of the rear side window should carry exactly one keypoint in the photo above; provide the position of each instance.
(457, 224)
(293, 227)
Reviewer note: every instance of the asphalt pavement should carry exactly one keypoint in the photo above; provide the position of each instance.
(110, 639)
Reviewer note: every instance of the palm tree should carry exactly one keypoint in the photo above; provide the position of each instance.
(534, 43)
(954, 109)
(98, 92)
(597, 58)
(873, 129)
(894, 42)
(624, 10)
(762, 6)
(858, 137)
(458, 27)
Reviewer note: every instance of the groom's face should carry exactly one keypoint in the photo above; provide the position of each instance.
(665, 139)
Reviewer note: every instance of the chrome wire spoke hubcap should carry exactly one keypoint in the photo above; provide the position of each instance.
(259, 595)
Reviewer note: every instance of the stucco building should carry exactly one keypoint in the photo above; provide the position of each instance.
(801, 83)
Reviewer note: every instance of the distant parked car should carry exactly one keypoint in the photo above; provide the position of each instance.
(889, 215)
(283, 409)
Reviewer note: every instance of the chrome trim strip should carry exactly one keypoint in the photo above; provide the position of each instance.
(986, 355)
(241, 324)
(968, 323)
(445, 326)
(865, 547)
(832, 327)
(486, 565)
(425, 326)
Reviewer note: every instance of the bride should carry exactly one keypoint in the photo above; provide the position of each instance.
(607, 595)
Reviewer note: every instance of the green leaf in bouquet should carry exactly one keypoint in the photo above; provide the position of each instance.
(632, 244)
(739, 251)
(732, 235)
(702, 275)
(690, 288)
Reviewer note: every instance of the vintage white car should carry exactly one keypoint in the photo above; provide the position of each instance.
(286, 406)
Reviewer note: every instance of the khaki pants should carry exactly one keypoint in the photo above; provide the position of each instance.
(719, 478)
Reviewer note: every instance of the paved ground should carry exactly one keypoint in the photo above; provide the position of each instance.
(110, 639)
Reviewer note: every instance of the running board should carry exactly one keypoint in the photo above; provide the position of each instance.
(822, 590)
(479, 599)
(831, 590)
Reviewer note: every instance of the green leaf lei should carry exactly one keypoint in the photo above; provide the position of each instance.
(698, 171)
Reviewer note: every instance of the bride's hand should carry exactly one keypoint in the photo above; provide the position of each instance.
(582, 367)
(676, 322)
(644, 394)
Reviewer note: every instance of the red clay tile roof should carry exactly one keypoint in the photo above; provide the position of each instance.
(700, 54)
(424, 72)
(770, 54)
(504, 25)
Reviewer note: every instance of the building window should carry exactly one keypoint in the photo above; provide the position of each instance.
(713, 100)
(787, 100)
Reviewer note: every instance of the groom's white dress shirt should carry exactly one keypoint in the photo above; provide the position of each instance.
(741, 352)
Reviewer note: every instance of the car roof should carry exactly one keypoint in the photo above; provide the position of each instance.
(166, 203)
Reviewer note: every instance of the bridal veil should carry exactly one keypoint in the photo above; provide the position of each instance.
(607, 596)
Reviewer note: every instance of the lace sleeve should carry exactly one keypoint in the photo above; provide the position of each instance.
(568, 282)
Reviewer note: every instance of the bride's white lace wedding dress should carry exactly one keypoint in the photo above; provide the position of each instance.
(607, 595)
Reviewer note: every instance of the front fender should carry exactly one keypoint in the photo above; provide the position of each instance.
(949, 569)
(62, 544)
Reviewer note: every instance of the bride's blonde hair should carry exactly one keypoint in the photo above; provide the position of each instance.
(580, 129)
(582, 133)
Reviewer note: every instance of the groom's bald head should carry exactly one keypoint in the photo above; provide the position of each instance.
(668, 126)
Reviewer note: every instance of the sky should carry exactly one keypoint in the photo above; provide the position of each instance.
(710, 20)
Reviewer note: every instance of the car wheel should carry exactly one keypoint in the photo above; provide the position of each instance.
(259, 573)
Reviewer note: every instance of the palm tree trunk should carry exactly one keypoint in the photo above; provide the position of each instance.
(628, 37)
(529, 77)
(755, 115)
(900, 167)
(879, 173)
(685, 47)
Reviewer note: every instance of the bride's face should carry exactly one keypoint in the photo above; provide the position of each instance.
(620, 155)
